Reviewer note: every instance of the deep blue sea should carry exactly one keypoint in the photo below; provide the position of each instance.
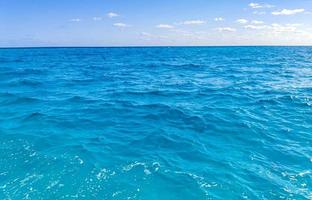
(168, 123)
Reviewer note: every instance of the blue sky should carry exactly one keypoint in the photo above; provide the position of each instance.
(161, 22)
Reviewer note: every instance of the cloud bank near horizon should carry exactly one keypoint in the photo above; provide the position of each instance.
(256, 24)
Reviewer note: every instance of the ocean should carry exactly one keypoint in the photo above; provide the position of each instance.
(161, 123)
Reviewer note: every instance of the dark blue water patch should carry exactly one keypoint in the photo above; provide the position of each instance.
(156, 123)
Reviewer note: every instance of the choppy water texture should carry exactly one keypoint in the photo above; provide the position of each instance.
(156, 123)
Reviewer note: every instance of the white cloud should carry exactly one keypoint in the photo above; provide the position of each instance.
(257, 12)
(226, 29)
(152, 36)
(165, 26)
(256, 27)
(258, 5)
(75, 20)
(288, 12)
(257, 22)
(217, 19)
(145, 34)
(97, 18)
(112, 15)
(121, 25)
(254, 5)
(296, 25)
(275, 28)
(194, 22)
(284, 28)
(242, 21)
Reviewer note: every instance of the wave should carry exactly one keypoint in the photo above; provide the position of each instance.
(25, 82)
(156, 123)
(14, 99)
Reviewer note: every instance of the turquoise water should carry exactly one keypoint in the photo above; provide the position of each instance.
(156, 123)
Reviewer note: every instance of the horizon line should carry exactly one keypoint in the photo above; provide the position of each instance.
(150, 46)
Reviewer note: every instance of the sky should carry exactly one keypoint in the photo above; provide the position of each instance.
(37, 23)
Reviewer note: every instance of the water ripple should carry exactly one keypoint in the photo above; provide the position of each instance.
(156, 123)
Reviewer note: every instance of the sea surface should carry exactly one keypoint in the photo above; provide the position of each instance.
(168, 123)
